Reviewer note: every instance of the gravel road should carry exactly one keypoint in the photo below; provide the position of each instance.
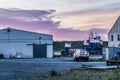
(28, 69)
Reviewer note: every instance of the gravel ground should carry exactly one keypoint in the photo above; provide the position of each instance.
(28, 69)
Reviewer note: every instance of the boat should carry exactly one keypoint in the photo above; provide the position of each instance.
(93, 45)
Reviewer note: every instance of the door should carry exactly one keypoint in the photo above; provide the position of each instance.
(39, 50)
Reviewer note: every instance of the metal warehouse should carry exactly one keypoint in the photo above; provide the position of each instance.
(24, 44)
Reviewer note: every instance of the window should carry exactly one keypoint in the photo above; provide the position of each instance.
(118, 37)
(111, 37)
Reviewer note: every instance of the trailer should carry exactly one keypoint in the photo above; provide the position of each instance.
(112, 62)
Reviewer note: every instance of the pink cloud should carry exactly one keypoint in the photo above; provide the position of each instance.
(24, 19)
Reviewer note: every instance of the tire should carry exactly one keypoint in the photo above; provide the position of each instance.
(86, 59)
(76, 59)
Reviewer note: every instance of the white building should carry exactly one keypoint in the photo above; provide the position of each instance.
(25, 44)
(114, 35)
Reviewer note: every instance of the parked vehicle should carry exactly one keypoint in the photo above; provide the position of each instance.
(67, 50)
(81, 54)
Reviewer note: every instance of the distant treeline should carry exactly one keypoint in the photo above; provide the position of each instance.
(59, 45)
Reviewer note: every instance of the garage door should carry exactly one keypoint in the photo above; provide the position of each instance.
(39, 51)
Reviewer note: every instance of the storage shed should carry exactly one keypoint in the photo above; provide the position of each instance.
(16, 43)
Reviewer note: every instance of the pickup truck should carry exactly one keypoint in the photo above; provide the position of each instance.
(81, 54)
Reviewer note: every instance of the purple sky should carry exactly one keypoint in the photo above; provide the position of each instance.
(71, 22)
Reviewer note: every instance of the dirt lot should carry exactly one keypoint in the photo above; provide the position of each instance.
(28, 69)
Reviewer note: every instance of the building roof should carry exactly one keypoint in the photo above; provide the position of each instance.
(116, 26)
(21, 34)
(24, 31)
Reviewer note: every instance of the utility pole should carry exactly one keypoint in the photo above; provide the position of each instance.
(8, 31)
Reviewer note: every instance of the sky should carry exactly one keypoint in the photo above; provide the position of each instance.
(70, 20)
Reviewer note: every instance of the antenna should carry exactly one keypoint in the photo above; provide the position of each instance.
(96, 34)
